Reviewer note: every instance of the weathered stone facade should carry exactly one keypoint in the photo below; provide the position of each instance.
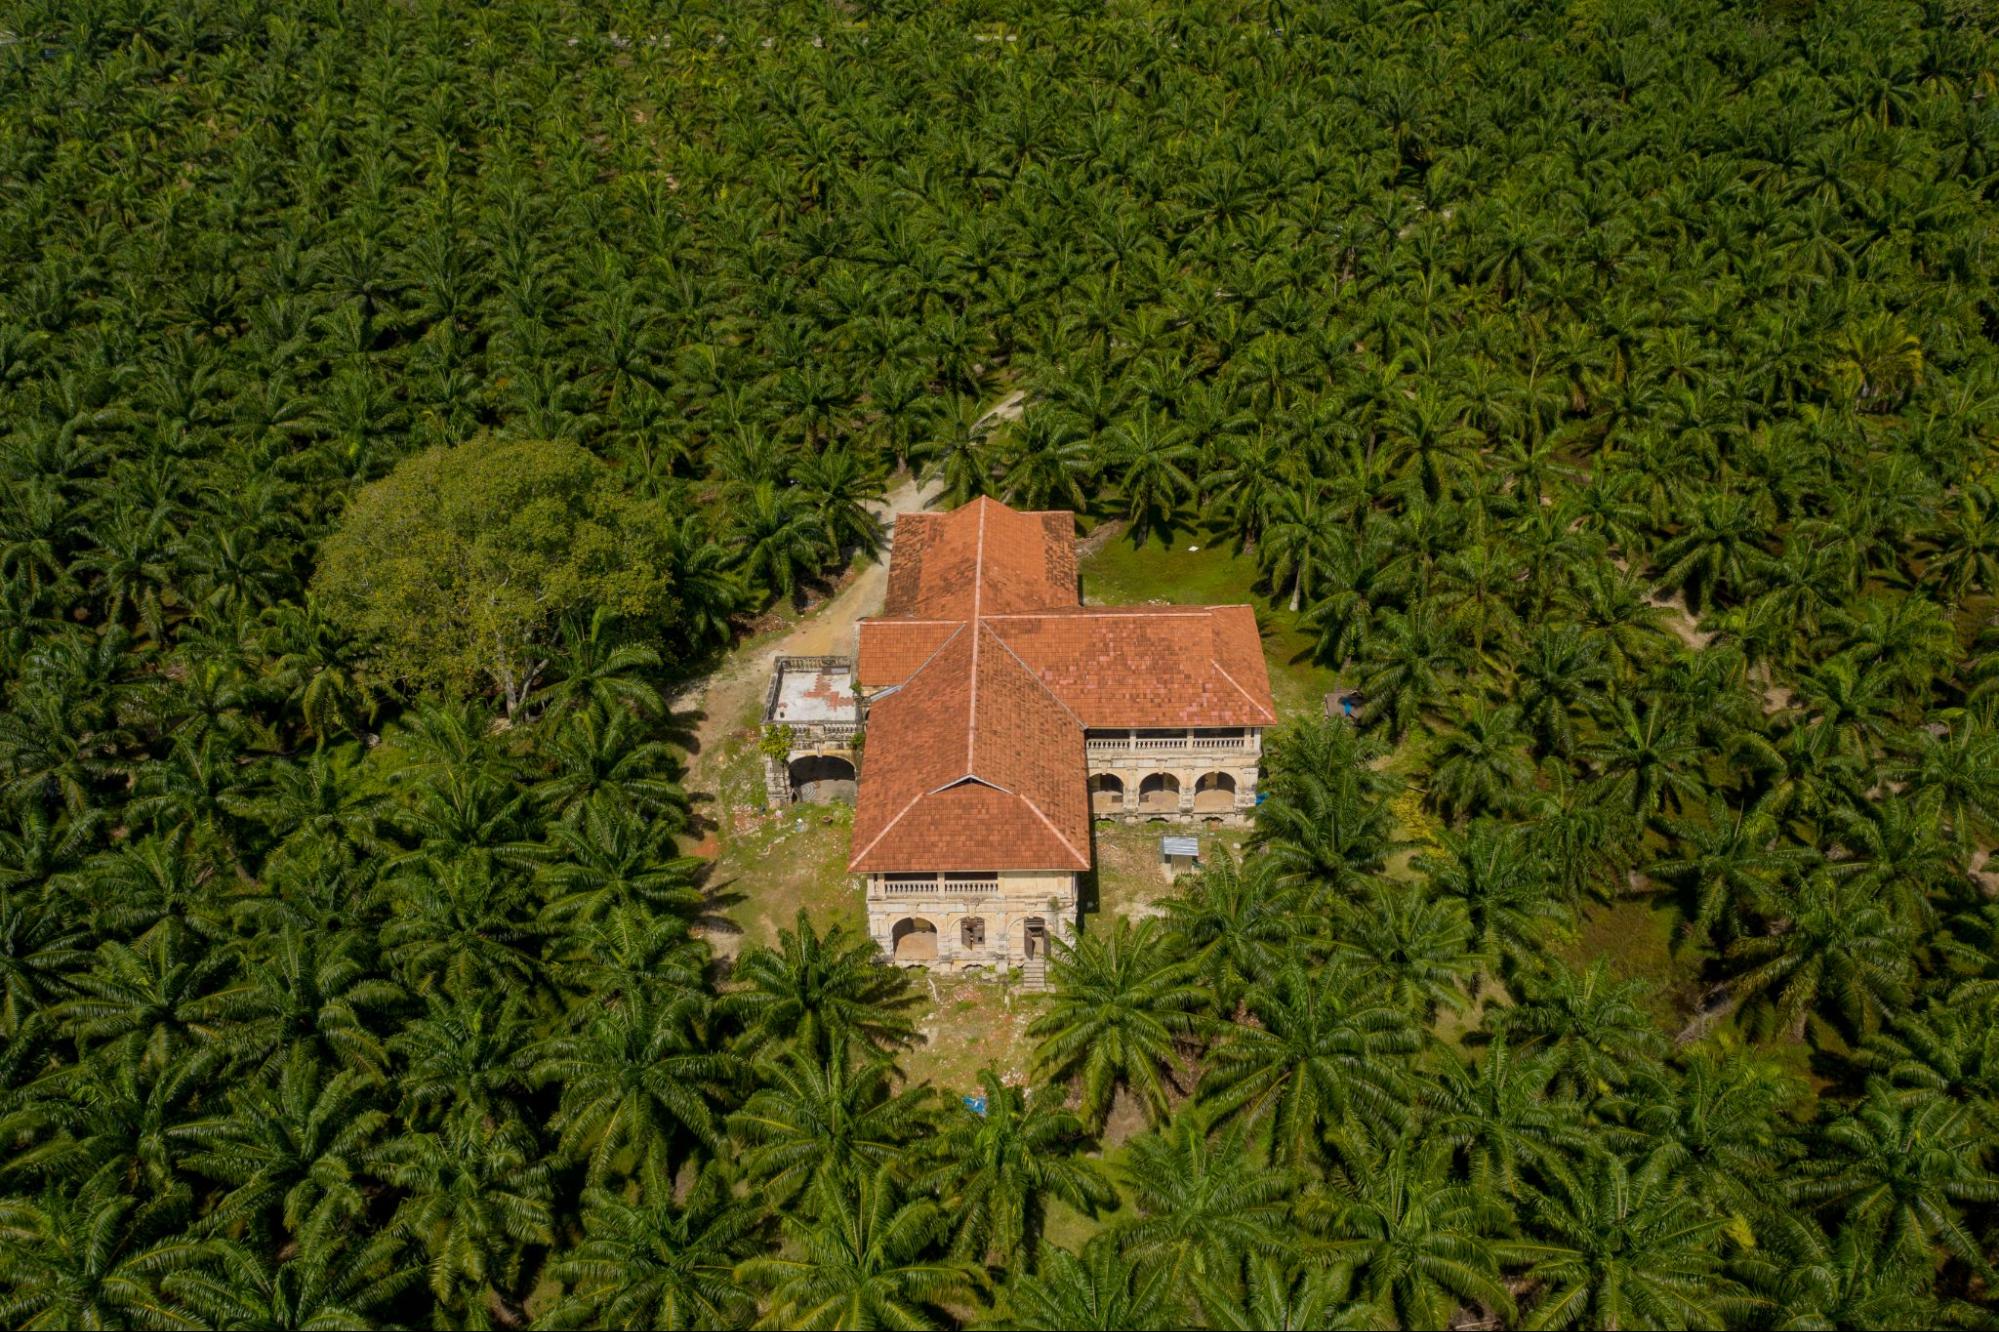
(1201, 776)
(962, 921)
(812, 705)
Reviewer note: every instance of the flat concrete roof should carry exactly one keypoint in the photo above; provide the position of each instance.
(817, 694)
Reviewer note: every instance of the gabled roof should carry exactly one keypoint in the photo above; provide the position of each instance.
(981, 559)
(993, 670)
(972, 765)
(1148, 666)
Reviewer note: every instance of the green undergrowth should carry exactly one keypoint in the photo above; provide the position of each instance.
(1191, 571)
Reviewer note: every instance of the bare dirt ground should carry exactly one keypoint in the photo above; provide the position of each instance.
(1684, 624)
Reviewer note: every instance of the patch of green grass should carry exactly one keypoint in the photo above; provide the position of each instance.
(795, 860)
(1129, 880)
(1071, 1229)
(1640, 938)
(1190, 571)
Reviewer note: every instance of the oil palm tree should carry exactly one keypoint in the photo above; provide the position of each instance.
(658, 1262)
(814, 991)
(1712, 559)
(706, 591)
(293, 1151)
(1622, 1247)
(1418, 1241)
(1481, 765)
(1325, 1054)
(464, 926)
(335, 1285)
(838, 484)
(1416, 948)
(1956, 776)
(156, 995)
(1589, 1023)
(858, 1258)
(999, 1168)
(1325, 819)
(1203, 1203)
(465, 1053)
(613, 858)
(1716, 1124)
(777, 547)
(816, 1122)
(595, 670)
(1150, 457)
(1411, 663)
(1499, 1116)
(1902, 1171)
(1840, 948)
(1949, 1048)
(1120, 1003)
(316, 989)
(1046, 463)
(603, 761)
(1495, 873)
(1102, 1288)
(1811, 1279)
(87, 1255)
(637, 1083)
(1236, 920)
(1731, 863)
(1647, 756)
(1284, 1295)
(474, 1195)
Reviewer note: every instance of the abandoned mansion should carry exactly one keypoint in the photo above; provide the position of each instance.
(997, 715)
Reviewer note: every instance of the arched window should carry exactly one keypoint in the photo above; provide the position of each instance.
(820, 778)
(972, 932)
(1214, 793)
(1159, 792)
(914, 939)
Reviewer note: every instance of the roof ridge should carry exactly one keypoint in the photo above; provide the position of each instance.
(972, 703)
(1216, 662)
(1081, 859)
(949, 639)
(1035, 675)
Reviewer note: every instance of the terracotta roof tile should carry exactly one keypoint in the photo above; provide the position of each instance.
(1000, 558)
(1171, 666)
(893, 650)
(975, 755)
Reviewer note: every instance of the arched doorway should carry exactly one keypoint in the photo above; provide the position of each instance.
(1159, 793)
(914, 939)
(818, 779)
(1034, 936)
(1214, 793)
(1106, 793)
(972, 934)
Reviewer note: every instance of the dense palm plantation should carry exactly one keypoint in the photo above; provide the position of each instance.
(1611, 390)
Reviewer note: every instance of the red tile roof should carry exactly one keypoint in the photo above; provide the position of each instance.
(981, 559)
(1147, 666)
(993, 670)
